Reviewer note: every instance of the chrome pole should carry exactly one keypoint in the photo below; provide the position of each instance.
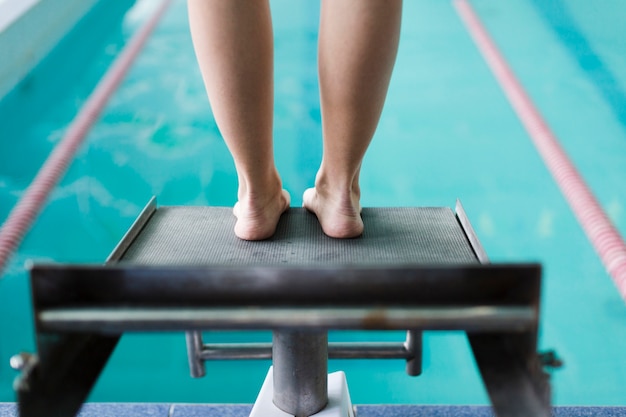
(300, 362)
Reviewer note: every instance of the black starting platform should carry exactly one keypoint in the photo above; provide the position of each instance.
(182, 269)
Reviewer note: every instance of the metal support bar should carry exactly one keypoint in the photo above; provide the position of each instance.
(512, 373)
(236, 351)
(300, 362)
(60, 379)
(118, 320)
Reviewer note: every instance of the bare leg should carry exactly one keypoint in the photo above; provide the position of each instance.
(233, 43)
(357, 50)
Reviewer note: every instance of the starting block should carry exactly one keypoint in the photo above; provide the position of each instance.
(182, 269)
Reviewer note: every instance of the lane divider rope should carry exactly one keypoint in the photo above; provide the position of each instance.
(24, 213)
(603, 235)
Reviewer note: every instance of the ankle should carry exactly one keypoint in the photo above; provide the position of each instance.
(337, 188)
(343, 198)
(259, 189)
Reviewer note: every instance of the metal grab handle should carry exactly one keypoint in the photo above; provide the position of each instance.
(410, 350)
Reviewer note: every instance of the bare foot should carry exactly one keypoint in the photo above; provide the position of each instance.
(257, 218)
(338, 215)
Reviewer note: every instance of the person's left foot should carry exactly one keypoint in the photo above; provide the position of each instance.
(339, 215)
(257, 218)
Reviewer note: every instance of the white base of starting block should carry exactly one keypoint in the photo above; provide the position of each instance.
(339, 404)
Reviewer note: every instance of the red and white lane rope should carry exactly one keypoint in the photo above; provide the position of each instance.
(32, 201)
(605, 238)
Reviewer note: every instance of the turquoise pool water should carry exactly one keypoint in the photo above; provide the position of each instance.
(447, 132)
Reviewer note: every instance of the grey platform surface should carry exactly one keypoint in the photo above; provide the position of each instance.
(393, 236)
(198, 410)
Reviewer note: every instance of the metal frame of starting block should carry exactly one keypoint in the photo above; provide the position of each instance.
(299, 287)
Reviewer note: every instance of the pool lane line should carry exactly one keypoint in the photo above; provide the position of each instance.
(605, 239)
(29, 206)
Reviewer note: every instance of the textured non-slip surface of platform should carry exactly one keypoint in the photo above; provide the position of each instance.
(393, 236)
(202, 410)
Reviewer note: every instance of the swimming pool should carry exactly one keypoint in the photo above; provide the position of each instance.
(447, 131)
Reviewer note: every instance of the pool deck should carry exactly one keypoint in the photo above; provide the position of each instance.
(202, 410)
(29, 30)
